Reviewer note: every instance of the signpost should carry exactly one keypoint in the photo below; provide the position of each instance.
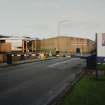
(100, 39)
(101, 48)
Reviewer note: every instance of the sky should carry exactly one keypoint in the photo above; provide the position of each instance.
(40, 18)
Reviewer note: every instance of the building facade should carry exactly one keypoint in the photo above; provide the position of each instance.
(31, 45)
(5, 46)
(70, 45)
(63, 44)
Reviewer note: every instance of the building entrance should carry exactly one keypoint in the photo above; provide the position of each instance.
(78, 50)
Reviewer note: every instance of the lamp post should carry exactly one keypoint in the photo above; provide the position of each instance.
(35, 46)
(59, 30)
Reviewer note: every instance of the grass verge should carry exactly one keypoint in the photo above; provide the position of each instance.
(88, 91)
(101, 66)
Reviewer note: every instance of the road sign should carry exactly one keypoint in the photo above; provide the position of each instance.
(101, 48)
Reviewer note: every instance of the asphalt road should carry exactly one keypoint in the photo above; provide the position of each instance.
(36, 83)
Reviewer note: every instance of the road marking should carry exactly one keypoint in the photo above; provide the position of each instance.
(59, 63)
(62, 62)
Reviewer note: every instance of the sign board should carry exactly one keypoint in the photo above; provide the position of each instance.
(101, 48)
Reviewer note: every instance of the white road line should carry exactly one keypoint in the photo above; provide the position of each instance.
(59, 63)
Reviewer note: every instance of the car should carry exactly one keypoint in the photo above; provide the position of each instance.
(63, 55)
(68, 56)
(57, 55)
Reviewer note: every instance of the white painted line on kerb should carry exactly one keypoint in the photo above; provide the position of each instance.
(59, 63)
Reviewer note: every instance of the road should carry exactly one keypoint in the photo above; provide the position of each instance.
(36, 83)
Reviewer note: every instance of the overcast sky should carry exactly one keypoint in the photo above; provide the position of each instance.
(39, 18)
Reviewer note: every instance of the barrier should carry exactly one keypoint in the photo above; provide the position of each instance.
(9, 58)
(91, 62)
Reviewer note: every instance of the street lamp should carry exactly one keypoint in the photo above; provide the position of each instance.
(59, 30)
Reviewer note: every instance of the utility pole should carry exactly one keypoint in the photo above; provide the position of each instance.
(96, 58)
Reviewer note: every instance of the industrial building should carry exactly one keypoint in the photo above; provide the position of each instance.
(70, 45)
(11, 44)
(62, 44)
(4, 46)
(31, 45)
(55, 45)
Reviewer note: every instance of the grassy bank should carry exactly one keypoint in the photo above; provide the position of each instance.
(88, 91)
(101, 66)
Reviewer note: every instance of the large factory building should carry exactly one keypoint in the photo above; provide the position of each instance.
(62, 44)
(70, 45)
(56, 45)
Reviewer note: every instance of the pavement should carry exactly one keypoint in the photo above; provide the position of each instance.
(23, 62)
(37, 83)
